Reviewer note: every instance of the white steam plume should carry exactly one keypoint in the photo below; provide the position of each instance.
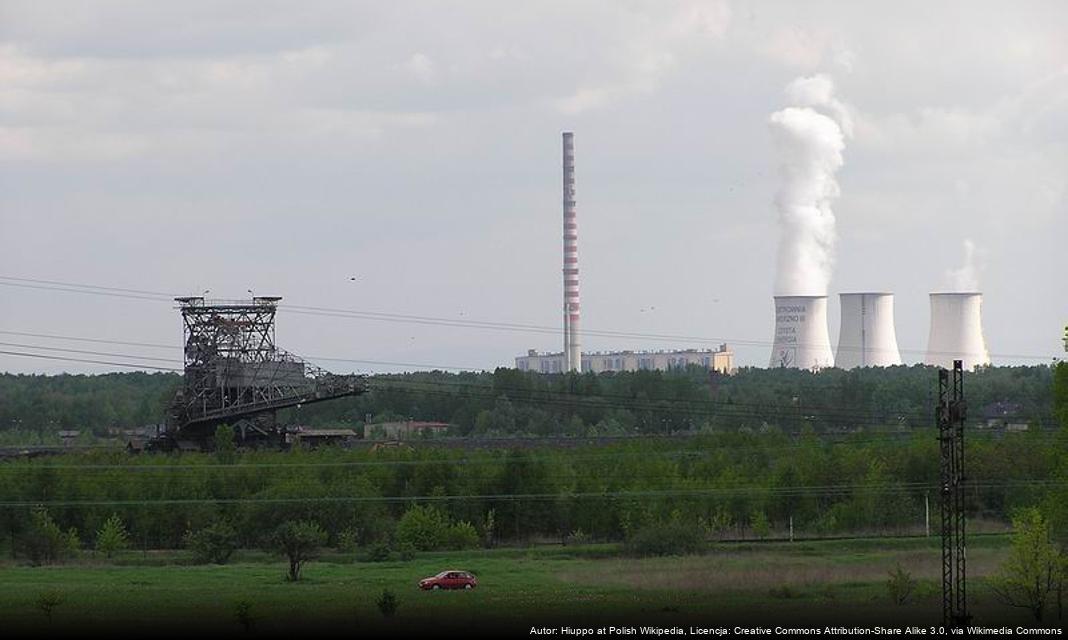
(809, 136)
(966, 278)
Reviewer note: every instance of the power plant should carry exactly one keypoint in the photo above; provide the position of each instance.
(571, 359)
(867, 337)
(801, 338)
(720, 360)
(572, 345)
(957, 330)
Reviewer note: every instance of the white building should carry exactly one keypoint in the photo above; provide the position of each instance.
(721, 360)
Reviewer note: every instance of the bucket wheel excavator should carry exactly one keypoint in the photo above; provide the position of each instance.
(235, 374)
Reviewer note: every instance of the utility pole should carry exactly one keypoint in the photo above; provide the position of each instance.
(927, 515)
(950, 416)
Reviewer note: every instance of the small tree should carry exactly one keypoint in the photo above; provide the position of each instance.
(47, 602)
(300, 542)
(112, 536)
(1034, 569)
(489, 526)
(225, 449)
(900, 585)
(45, 542)
(214, 544)
(759, 521)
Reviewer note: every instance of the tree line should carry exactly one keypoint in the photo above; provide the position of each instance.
(724, 485)
(509, 402)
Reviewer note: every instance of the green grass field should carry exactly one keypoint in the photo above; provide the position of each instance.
(826, 582)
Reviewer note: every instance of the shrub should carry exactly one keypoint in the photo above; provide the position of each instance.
(112, 536)
(348, 540)
(900, 585)
(407, 553)
(45, 542)
(760, 524)
(378, 552)
(665, 539)
(243, 613)
(213, 544)
(387, 603)
(47, 602)
(578, 536)
(461, 535)
(423, 527)
(783, 592)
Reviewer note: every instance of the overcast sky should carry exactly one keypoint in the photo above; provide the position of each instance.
(287, 147)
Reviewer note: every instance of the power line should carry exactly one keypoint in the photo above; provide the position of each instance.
(53, 336)
(817, 491)
(690, 455)
(82, 351)
(690, 406)
(103, 362)
(156, 345)
(55, 285)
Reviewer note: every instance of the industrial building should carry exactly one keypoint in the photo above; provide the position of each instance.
(405, 430)
(720, 360)
(572, 358)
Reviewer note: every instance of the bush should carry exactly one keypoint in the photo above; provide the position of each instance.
(578, 536)
(461, 535)
(214, 544)
(387, 603)
(407, 553)
(45, 542)
(348, 541)
(760, 524)
(243, 613)
(783, 592)
(900, 585)
(665, 539)
(47, 602)
(378, 552)
(423, 528)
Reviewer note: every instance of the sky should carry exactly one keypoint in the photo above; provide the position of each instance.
(286, 148)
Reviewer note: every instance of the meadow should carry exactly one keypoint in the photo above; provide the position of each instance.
(837, 582)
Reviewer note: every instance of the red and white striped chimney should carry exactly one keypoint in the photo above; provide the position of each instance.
(572, 346)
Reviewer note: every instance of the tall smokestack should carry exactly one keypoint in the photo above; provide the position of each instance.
(572, 345)
(801, 338)
(867, 337)
(956, 330)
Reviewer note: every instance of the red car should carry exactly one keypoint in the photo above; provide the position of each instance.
(449, 580)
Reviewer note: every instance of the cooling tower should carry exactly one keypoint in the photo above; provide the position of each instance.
(956, 330)
(801, 339)
(867, 337)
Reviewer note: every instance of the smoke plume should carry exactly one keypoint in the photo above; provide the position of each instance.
(966, 278)
(809, 136)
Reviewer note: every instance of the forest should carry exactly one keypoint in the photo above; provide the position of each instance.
(509, 402)
(725, 485)
(765, 452)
